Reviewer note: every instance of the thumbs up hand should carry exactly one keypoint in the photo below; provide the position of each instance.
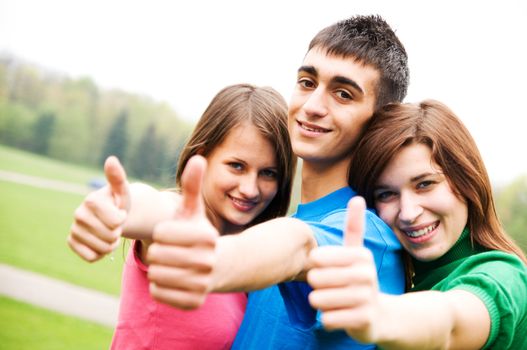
(182, 257)
(344, 280)
(98, 221)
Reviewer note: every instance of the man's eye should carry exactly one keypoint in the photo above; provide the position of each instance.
(343, 94)
(306, 83)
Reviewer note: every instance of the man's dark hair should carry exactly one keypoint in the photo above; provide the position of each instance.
(370, 40)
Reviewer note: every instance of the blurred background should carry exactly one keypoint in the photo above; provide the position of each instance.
(80, 80)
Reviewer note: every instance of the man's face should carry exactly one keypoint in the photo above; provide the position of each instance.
(332, 100)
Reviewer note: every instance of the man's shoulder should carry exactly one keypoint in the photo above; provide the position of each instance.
(374, 222)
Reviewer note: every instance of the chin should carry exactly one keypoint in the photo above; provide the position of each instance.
(241, 221)
(426, 257)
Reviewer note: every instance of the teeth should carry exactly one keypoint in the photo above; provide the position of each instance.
(421, 232)
(312, 129)
(242, 202)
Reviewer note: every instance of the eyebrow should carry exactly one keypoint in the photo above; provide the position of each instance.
(239, 160)
(413, 179)
(379, 188)
(346, 81)
(419, 177)
(337, 79)
(308, 69)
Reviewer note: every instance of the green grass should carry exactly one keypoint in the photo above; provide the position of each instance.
(34, 224)
(25, 327)
(15, 160)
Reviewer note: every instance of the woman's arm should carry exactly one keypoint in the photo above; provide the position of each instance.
(116, 210)
(455, 319)
(188, 259)
(266, 254)
(148, 206)
(346, 291)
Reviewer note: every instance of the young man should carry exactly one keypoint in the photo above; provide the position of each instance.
(351, 69)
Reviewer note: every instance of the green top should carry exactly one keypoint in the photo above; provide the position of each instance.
(499, 279)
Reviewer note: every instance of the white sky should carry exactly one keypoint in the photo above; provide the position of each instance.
(472, 55)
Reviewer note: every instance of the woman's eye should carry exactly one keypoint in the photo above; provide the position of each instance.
(424, 184)
(269, 173)
(236, 166)
(384, 196)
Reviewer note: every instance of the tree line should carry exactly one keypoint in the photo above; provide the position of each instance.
(76, 121)
(511, 204)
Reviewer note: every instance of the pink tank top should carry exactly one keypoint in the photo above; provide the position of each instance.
(146, 324)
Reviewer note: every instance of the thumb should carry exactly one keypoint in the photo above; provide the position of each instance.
(191, 183)
(116, 177)
(354, 231)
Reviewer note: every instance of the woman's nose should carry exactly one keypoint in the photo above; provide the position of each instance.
(249, 186)
(409, 209)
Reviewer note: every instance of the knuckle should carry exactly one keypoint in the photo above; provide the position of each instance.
(151, 255)
(114, 221)
(105, 249)
(366, 254)
(196, 301)
(90, 201)
(74, 233)
(202, 286)
(69, 240)
(160, 229)
(92, 258)
(80, 214)
(208, 262)
(153, 275)
(313, 299)
(312, 277)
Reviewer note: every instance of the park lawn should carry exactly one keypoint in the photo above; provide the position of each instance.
(34, 224)
(26, 327)
(15, 160)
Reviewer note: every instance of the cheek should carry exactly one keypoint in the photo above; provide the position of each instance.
(217, 184)
(459, 213)
(387, 213)
(295, 103)
(291, 120)
(447, 206)
(208, 185)
(226, 183)
(269, 190)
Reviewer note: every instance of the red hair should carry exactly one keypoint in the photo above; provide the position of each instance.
(432, 123)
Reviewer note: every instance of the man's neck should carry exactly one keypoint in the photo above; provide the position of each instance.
(319, 180)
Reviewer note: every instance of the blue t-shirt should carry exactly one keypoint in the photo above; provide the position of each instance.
(280, 317)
